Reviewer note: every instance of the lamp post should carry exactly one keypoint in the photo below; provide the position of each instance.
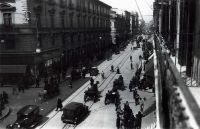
(37, 46)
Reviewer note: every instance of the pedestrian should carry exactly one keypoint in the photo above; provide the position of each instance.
(19, 85)
(46, 80)
(63, 75)
(70, 83)
(134, 92)
(142, 104)
(119, 111)
(37, 82)
(130, 86)
(5, 97)
(83, 73)
(131, 65)
(102, 75)
(22, 88)
(58, 77)
(118, 71)
(91, 81)
(137, 97)
(131, 58)
(118, 123)
(132, 121)
(117, 103)
(14, 90)
(139, 119)
(59, 104)
(125, 123)
(112, 68)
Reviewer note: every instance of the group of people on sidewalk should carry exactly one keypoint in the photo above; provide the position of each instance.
(51, 85)
(127, 119)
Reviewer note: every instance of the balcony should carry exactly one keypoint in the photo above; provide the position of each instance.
(89, 10)
(174, 98)
(51, 2)
(78, 8)
(71, 6)
(84, 9)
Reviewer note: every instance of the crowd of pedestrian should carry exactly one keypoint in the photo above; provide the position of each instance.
(51, 85)
(126, 118)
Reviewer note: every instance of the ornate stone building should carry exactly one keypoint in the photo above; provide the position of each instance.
(175, 20)
(42, 34)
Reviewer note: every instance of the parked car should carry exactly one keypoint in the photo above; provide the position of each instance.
(94, 71)
(74, 113)
(76, 73)
(27, 117)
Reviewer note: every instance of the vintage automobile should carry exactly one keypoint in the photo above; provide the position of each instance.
(119, 83)
(27, 118)
(112, 97)
(74, 113)
(92, 93)
(94, 71)
(76, 73)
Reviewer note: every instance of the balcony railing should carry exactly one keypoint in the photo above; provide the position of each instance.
(176, 108)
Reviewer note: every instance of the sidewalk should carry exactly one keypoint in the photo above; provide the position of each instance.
(149, 119)
(31, 97)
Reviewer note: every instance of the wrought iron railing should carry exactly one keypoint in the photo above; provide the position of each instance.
(176, 106)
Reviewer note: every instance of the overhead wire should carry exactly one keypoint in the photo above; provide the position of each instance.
(148, 4)
(139, 10)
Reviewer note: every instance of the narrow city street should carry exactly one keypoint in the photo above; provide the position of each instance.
(99, 64)
(101, 115)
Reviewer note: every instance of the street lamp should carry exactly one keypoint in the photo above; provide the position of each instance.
(38, 50)
(2, 41)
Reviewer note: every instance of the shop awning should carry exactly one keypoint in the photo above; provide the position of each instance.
(12, 69)
(149, 67)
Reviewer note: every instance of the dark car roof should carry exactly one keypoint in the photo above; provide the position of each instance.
(72, 106)
(27, 109)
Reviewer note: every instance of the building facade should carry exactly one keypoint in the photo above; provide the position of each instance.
(113, 15)
(134, 24)
(122, 24)
(174, 20)
(196, 45)
(49, 35)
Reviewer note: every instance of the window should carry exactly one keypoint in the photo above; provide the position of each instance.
(78, 20)
(62, 21)
(72, 38)
(71, 21)
(7, 18)
(53, 39)
(89, 22)
(52, 20)
(10, 43)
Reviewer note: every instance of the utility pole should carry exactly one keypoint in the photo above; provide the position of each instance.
(177, 30)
